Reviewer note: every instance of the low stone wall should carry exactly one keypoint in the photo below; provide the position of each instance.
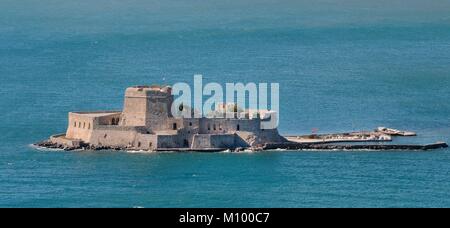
(257, 139)
(113, 138)
(60, 141)
(170, 141)
(224, 141)
(201, 141)
(146, 142)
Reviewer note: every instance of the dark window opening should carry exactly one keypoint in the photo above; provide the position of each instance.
(214, 127)
(115, 121)
(181, 107)
(190, 123)
(174, 127)
(238, 128)
(139, 144)
(209, 127)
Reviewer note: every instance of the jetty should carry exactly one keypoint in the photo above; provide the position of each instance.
(360, 140)
(314, 146)
(361, 136)
(390, 131)
(380, 134)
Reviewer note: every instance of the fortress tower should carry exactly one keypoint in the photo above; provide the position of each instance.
(147, 106)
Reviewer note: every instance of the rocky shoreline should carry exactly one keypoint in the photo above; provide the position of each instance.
(288, 146)
(83, 146)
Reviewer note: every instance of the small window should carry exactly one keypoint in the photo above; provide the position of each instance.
(214, 127)
(75, 124)
(190, 123)
(84, 125)
(174, 127)
(89, 126)
(79, 124)
(209, 127)
(139, 144)
(238, 127)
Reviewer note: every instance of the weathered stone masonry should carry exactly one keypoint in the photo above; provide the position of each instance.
(146, 123)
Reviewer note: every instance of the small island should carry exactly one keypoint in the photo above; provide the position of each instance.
(146, 123)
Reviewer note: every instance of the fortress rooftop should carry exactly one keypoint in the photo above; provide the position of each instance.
(155, 88)
(96, 113)
(148, 90)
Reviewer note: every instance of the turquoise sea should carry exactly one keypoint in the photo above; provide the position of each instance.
(342, 65)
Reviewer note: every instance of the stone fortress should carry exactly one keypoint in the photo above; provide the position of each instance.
(146, 123)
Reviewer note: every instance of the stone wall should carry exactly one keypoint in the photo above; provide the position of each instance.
(225, 141)
(111, 119)
(171, 141)
(82, 124)
(62, 140)
(146, 123)
(79, 126)
(146, 142)
(201, 141)
(223, 125)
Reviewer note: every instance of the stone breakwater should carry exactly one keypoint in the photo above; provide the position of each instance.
(309, 146)
(381, 134)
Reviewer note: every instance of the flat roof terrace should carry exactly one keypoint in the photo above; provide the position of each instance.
(96, 113)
